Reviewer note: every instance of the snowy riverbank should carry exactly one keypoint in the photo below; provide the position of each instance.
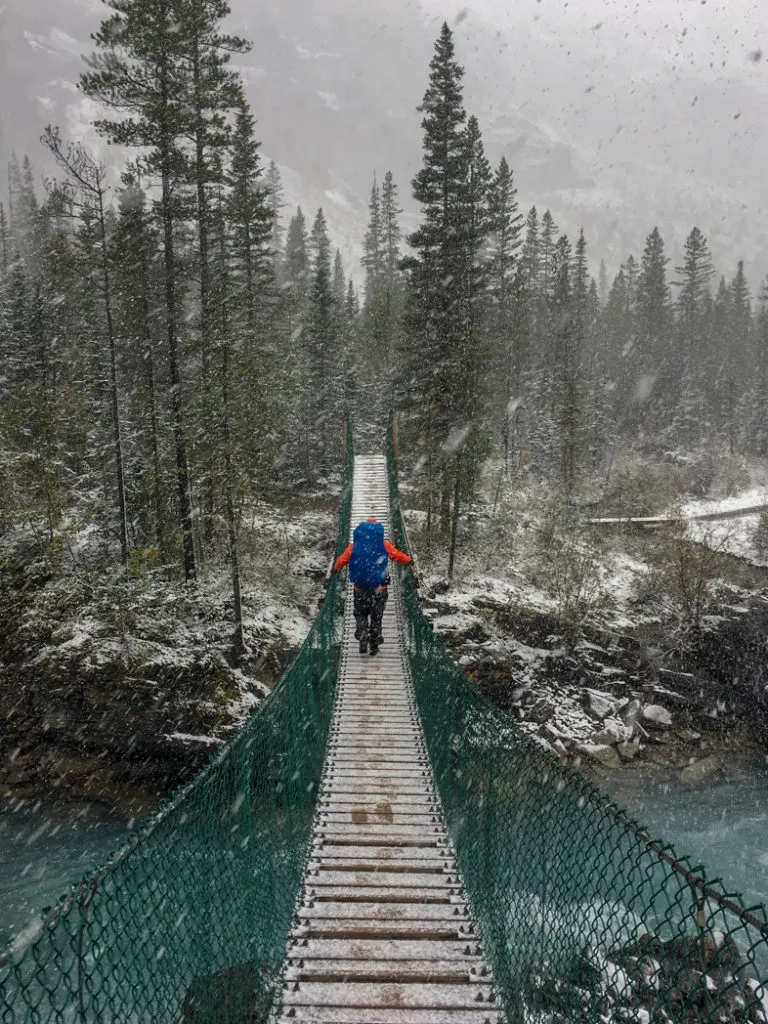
(115, 688)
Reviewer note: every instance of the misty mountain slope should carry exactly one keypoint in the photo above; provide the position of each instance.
(610, 147)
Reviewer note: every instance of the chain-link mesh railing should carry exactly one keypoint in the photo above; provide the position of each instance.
(582, 916)
(188, 922)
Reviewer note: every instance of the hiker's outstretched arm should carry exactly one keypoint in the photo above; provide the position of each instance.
(397, 556)
(343, 559)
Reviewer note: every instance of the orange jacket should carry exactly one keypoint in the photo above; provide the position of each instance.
(394, 554)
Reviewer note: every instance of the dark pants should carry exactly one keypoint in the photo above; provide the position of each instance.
(369, 605)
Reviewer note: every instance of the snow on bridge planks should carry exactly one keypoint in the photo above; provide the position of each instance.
(383, 934)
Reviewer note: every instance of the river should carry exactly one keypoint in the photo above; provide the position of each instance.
(44, 848)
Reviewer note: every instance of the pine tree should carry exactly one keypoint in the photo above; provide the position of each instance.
(737, 345)
(249, 213)
(295, 274)
(509, 340)
(321, 346)
(372, 258)
(141, 70)
(89, 187)
(567, 357)
(653, 326)
(759, 419)
(693, 306)
(134, 244)
(444, 276)
(276, 196)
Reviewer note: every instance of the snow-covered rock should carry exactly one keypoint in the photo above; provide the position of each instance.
(655, 714)
(603, 705)
(600, 752)
(613, 731)
(629, 748)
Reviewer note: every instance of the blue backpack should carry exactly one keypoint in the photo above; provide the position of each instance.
(369, 559)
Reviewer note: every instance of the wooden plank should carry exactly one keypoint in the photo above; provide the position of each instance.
(455, 972)
(370, 994)
(386, 855)
(351, 788)
(334, 829)
(433, 865)
(382, 929)
(364, 815)
(414, 880)
(347, 866)
(388, 1015)
(379, 776)
(370, 910)
(382, 894)
(375, 797)
(386, 949)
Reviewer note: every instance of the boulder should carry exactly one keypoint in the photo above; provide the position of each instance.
(629, 748)
(613, 731)
(704, 768)
(540, 712)
(599, 752)
(602, 705)
(656, 715)
(630, 713)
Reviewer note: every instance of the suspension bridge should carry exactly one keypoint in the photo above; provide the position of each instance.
(380, 845)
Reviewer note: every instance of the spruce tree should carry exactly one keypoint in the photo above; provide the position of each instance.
(508, 339)
(759, 418)
(89, 196)
(137, 287)
(250, 218)
(693, 308)
(653, 327)
(737, 346)
(321, 346)
(141, 71)
(276, 196)
(442, 277)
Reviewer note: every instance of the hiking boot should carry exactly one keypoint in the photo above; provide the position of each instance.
(363, 646)
(374, 649)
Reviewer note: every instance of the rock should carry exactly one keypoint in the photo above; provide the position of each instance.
(560, 749)
(629, 748)
(599, 752)
(541, 712)
(688, 735)
(613, 731)
(656, 715)
(702, 769)
(630, 713)
(602, 705)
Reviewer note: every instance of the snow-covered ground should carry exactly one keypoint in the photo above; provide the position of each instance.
(733, 536)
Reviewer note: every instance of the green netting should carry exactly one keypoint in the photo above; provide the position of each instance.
(188, 922)
(581, 915)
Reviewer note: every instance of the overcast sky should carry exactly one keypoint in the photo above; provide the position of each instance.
(701, 37)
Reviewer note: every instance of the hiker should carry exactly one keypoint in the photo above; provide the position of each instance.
(367, 556)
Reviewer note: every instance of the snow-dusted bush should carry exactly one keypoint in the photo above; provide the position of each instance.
(569, 565)
(731, 477)
(680, 584)
(760, 538)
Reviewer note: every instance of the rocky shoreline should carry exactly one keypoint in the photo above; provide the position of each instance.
(605, 699)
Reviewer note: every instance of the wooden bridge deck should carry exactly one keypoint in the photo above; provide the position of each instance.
(383, 934)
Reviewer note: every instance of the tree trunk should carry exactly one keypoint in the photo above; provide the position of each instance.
(205, 283)
(454, 519)
(115, 404)
(238, 641)
(182, 473)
